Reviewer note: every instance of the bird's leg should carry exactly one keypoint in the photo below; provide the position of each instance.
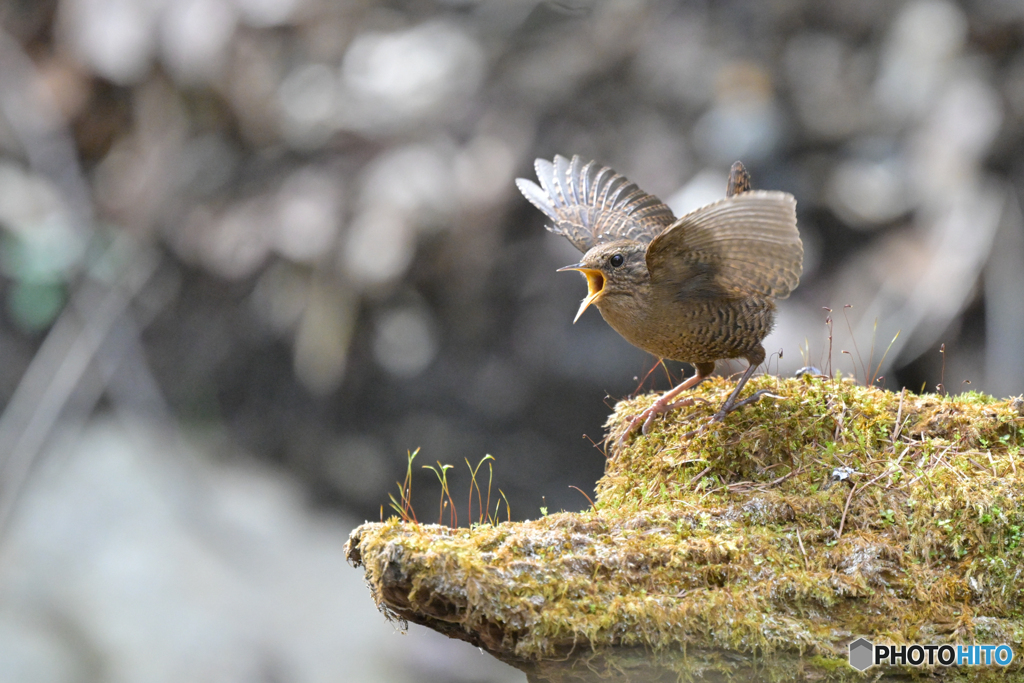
(754, 358)
(666, 402)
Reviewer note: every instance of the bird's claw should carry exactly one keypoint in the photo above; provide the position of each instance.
(753, 398)
(644, 419)
(647, 423)
(658, 408)
(650, 418)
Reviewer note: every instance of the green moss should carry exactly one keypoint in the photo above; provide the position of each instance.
(730, 540)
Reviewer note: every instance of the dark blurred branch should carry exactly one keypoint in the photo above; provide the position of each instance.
(55, 372)
(96, 307)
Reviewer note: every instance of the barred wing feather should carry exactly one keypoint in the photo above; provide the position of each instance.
(591, 204)
(750, 240)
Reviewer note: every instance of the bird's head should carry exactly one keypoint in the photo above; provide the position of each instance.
(612, 269)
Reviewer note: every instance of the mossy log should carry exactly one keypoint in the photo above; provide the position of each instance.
(726, 554)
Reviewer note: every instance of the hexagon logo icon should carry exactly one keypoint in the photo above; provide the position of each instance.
(861, 654)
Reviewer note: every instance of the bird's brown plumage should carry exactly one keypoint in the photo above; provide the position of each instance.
(699, 288)
(592, 204)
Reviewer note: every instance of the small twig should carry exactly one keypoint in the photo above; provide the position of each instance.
(990, 462)
(842, 522)
(715, 490)
(698, 477)
(872, 481)
(926, 465)
(895, 466)
(899, 415)
(976, 463)
(784, 477)
(802, 551)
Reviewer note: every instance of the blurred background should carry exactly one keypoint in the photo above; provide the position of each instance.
(253, 252)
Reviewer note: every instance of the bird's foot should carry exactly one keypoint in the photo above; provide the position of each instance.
(727, 408)
(659, 407)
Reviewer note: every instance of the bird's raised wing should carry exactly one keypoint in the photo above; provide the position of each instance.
(749, 241)
(591, 204)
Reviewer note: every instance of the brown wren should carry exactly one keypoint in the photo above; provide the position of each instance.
(697, 289)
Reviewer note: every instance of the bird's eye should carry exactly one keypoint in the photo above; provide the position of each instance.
(616, 260)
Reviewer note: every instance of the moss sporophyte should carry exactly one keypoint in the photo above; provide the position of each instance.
(729, 555)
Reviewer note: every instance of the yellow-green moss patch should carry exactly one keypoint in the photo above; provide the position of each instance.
(727, 551)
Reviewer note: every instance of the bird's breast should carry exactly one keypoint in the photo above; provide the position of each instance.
(693, 331)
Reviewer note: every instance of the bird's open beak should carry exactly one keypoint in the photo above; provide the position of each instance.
(595, 286)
